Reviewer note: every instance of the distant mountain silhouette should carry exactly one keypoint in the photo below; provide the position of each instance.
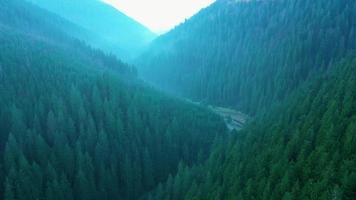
(119, 34)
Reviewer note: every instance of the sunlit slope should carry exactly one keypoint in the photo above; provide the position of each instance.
(120, 34)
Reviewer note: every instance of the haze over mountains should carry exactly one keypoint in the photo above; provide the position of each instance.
(114, 31)
(160, 15)
(291, 65)
(77, 123)
(250, 54)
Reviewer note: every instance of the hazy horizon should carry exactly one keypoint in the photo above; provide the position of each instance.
(159, 15)
(247, 99)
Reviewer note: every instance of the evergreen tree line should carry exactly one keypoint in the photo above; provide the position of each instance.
(292, 65)
(78, 124)
(251, 54)
(302, 149)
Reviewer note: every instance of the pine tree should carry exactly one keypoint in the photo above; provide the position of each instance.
(350, 187)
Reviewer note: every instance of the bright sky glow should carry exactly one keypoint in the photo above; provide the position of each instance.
(159, 15)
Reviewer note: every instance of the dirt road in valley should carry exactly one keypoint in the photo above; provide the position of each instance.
(234, 119)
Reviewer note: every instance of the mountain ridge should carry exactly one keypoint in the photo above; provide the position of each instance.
(226, 54)
(77, 124)
(120, 34)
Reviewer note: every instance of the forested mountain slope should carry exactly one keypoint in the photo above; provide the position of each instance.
(77, 124)
(24, 17)
(291, 64)
(251, 54)
(114, 31)
(304, 148)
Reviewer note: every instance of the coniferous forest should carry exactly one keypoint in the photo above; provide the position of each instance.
(253, 54)
(78, 123)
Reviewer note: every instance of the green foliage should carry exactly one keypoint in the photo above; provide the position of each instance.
(251, 54)
(299, 150)
(291, 64)
(77, 124)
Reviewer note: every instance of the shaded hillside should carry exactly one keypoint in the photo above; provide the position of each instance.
(78, 124)
(251, 54)
(303, 149)
(291, 64)
(114, 31)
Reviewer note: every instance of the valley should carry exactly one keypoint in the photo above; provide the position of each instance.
(235, 120)
(245, 100)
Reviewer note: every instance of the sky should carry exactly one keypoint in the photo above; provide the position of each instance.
(159, 15)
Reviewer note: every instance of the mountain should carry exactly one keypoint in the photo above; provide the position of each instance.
(250, 54)
(302, 149)
(76, 123)
(115, 32)
(291, 65)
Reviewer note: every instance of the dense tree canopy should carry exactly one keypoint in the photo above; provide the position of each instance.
(303, 149)
(291, 64)
(77, 124)
(251, 54)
